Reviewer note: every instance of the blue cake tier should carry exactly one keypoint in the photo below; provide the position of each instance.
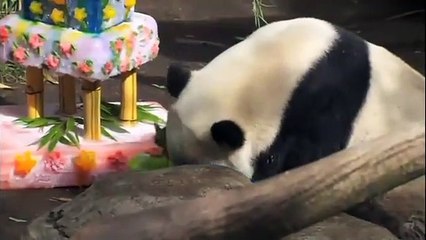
(85, 15)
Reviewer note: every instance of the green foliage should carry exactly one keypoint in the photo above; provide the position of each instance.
(112, 111)
(64, 130)
(60, 131)
(145, 162)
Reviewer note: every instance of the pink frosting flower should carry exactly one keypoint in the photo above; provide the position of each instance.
(108, 67)
(117, 161)
(155, 49)
(4, 34)
(20, 54)
(125, 65)
(52, 62)
(66, 49)
(147, 32)
(54, 162)
(119, 45)
(139, 60)
(36, 41)
(155, 151)
(86, 67)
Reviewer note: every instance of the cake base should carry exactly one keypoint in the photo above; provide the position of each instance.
(60, 168)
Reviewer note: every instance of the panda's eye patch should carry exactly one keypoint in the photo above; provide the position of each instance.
(228, 133)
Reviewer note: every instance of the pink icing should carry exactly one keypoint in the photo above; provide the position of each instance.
(58, 168)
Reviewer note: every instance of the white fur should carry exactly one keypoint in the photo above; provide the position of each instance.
(251, 82)
(396, 97)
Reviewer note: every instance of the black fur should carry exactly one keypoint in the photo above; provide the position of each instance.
(227, 133)
(177, 78)
(319, 116)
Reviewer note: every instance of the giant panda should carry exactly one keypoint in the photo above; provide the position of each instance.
(291, 93)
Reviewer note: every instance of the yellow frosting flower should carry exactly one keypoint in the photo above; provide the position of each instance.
(36, 8)
(57, 16)
(109, 12)
(22, 27)
(129, 3)
(86, 161)
(59, 2)
(71, 36)
(24, 163)
(80, 14)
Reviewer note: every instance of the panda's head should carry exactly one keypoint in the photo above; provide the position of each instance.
(202, 127)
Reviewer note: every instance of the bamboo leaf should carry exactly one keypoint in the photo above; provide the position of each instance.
(46, 138)
(65, 141)
(107, 134)
(148, 107)
(23, 120)
(59, 133)
(144, 116)
(74, 140)
(70, 132)
(114, 126)
(37, 123)
(70, 125)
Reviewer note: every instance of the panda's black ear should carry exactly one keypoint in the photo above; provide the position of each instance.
(227, 133)
(177, 78)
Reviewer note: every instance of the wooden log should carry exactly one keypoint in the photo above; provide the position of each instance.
(129, 98)
(67, 98)
(35, 92)
(92, 110)
(284, 204)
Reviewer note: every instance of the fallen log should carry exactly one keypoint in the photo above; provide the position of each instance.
(283, 204)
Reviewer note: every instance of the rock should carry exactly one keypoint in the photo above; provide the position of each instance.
(342, 227)
(123, 193)
(129, 192)
(401, 210)
(406, 204)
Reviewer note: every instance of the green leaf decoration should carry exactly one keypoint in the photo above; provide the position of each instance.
(64, 130)
(104, 3)
(146, 162)
(147, 117)
(72, 138)
(113, 126)
(70, 132)
(65, 141)
(58, 133)
(45, 139)
(107, 134)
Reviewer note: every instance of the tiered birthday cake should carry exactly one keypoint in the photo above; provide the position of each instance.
(87, 42)
(84, 15)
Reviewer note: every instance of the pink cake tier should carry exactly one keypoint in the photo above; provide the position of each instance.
(66, 165)
(84, 55)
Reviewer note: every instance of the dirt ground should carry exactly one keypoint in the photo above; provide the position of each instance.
(196, 41)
